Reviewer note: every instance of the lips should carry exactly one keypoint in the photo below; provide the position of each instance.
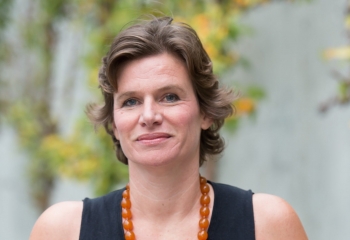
(153, 137)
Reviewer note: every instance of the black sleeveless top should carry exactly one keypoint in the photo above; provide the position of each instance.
(232, 217)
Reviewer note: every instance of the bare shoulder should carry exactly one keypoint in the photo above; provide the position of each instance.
(275, 219)
(60, 221)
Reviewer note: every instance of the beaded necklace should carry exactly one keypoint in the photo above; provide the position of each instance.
(204, 212)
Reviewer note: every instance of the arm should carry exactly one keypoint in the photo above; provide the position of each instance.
(59, 222)
(275, 219)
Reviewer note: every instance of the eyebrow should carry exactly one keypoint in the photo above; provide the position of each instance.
(162, 89)
(125, 95)
(171, 87)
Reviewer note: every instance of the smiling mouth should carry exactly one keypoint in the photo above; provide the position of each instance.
(152, 138)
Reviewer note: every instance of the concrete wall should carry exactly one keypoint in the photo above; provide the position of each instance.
(290, 149)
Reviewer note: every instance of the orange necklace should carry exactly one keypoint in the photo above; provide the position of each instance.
(204, 212)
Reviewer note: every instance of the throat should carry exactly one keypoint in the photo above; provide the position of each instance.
(188, 210)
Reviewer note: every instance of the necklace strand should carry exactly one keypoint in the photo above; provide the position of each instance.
(204, 212)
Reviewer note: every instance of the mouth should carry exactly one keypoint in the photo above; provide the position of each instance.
(153, 138)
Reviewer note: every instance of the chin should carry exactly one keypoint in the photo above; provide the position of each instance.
(155, 160)
(158, 162)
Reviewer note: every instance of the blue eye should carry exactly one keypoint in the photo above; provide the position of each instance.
(171, 98)
(130, 102)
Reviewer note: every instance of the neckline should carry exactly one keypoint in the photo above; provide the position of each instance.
(210, 228)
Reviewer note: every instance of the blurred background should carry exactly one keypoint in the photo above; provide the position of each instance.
(290, 135)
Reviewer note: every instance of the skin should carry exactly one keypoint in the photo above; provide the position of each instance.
(158, 123)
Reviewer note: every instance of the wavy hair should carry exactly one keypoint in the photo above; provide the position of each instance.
(156, 36)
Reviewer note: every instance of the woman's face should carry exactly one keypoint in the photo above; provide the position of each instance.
(156, 114)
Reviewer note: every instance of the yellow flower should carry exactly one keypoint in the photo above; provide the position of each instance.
(244, 105)
(342, 53)
(202, 24)
(242, 3)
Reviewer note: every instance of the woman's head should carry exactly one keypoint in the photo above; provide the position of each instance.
(154, 37)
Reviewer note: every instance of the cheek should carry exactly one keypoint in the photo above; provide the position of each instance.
(189, 119)
(121, 132)
(120, 125)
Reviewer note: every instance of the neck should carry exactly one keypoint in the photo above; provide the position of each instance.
(164, 193)
(165, 202)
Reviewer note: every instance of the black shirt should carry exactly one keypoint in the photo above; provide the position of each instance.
(232, 217)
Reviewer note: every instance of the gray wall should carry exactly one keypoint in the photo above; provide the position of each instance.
(289, 150)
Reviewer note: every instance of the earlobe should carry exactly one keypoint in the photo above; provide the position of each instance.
(206, 123)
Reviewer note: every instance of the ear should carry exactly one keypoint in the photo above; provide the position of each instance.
(206, 122)
(115, 131)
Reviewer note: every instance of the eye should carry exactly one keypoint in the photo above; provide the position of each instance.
(130, 102)
(171, 97)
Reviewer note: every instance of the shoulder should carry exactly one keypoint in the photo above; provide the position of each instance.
(60, 221)
(275, 219)
(224, 189)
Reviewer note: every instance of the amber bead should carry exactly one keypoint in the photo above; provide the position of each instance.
(126, 213)
(202, 235)
(204, 223)
(129, 235)
(204, 188)
(127, 224)
(202, 180)
(205, 200)
(204, 211)
(126, 203)
(126, 194)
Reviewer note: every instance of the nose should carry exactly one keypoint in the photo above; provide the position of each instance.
(151, 114)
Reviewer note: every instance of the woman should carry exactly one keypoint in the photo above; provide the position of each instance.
(163, 108)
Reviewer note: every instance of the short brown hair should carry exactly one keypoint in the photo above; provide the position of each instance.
(156, 36)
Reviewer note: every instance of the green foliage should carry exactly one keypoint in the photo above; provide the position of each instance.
(341, 53)
(255, 93)
(5, 6)
(344, 92)
(245, 106)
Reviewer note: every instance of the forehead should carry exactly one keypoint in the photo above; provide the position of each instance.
(162, 69)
